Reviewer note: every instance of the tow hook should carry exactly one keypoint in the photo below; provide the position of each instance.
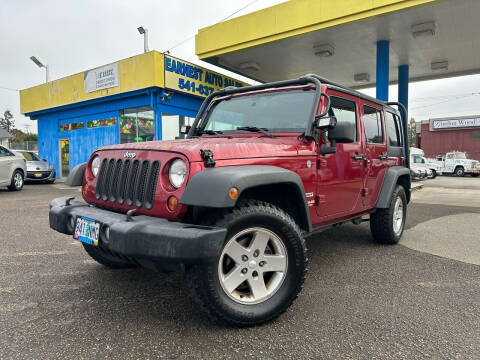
(207, 156)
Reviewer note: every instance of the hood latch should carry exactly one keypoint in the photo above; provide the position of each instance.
(207, 156)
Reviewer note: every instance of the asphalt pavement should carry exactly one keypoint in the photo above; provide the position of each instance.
(361, 300)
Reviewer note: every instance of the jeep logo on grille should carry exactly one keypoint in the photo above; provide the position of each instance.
(129, 155)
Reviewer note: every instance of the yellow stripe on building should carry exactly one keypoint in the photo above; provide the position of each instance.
(291, 18)
(134, 73)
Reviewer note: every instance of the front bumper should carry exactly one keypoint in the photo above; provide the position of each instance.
(44, 175)
(165, 243)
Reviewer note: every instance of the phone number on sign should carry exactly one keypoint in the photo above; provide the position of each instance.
(191, 86)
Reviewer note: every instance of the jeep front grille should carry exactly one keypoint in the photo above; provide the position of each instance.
(127, 181)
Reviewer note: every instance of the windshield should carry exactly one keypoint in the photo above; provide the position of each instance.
(286, 111)
(30, 156)
(460, 156)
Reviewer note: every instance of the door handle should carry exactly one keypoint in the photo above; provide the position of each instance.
(383, 156)
(359, 157)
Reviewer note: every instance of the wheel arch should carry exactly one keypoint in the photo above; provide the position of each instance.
(396, 175)
(281, 187)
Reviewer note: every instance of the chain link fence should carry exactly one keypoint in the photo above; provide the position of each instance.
(25, 145)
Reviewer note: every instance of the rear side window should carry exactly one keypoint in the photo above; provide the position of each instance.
(392, 127)
(372, 120)
(345, 112)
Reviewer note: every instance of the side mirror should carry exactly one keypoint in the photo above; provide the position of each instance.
(326, 123)
(343, 132)
(44, 160)
(185, 129)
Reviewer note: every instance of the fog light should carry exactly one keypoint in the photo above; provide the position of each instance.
(172, 203)
(106, 234)
(233, 193)
(85, 189)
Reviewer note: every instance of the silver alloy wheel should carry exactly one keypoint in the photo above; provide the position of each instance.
(398, 216)
(252, 266)
(18, 180)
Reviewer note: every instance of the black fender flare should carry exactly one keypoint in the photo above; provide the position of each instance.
(209, 187)
(75, 177)
(389, 182)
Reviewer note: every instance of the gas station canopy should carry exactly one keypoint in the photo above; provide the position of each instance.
(339, 40)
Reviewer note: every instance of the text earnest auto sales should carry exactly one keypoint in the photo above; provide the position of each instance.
(196, 73)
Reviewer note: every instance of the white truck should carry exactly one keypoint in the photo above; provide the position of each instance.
(418, 160)
(456, 162)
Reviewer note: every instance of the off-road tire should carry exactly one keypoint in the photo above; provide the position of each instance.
(14, 184)
(106, 259)
(459, 171)
(204, 279)
(381, 221)
(434, 174)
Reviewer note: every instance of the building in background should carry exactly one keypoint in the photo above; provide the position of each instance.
(439, 136)
(143, 98)
(4, 137)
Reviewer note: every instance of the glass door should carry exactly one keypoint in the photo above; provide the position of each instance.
(64, 157)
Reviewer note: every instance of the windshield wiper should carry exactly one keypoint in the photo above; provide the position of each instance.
(210, 132)
(264, 131)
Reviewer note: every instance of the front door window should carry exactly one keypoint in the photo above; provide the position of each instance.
(64, 157)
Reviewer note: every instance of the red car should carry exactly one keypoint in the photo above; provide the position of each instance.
(230, 205)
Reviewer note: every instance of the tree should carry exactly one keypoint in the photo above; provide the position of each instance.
(31, 137)
(7, 121)
(412, 133)
(19, 136)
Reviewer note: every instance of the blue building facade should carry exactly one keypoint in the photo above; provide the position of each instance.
(67, 135)
(144, 98)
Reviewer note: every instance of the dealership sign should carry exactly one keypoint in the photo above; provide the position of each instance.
(456, 123)
(192, 79)
(101, 78)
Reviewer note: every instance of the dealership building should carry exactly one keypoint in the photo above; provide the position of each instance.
(142, 98)
(439, 136)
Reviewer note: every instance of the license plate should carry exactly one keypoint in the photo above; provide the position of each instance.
(38, 175)
(87, 231)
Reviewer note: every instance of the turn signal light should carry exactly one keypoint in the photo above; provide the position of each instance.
(172, 203)
(233, 193)
(85, 189)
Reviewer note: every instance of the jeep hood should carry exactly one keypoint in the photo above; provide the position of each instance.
(222, 148)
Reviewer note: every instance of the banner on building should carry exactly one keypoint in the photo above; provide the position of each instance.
(456, 123)
(189, 78)
(101, 78)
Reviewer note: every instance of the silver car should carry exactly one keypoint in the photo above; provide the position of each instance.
(13, 169)
(38, 169)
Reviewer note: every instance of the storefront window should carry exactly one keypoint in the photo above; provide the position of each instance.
(101, 122)
(72, 126)
(137, 125)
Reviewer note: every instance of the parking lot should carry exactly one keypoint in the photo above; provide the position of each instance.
(361, 300)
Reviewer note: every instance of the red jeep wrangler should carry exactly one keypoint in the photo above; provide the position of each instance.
(230, 205)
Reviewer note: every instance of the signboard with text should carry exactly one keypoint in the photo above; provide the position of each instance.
(189, 78)
(101, 78)
(456, 123)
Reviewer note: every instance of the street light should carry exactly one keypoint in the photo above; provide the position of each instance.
(40, 65)
(144, 32)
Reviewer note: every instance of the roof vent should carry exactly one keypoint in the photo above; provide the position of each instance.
(362, 78)
(324, 50)
(439, 65)
(249, 65)
(423, 29)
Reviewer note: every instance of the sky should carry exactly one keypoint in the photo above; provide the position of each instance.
(74, 36)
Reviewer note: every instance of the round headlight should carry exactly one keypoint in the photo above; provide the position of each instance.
(95, 165)
(177, 173)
